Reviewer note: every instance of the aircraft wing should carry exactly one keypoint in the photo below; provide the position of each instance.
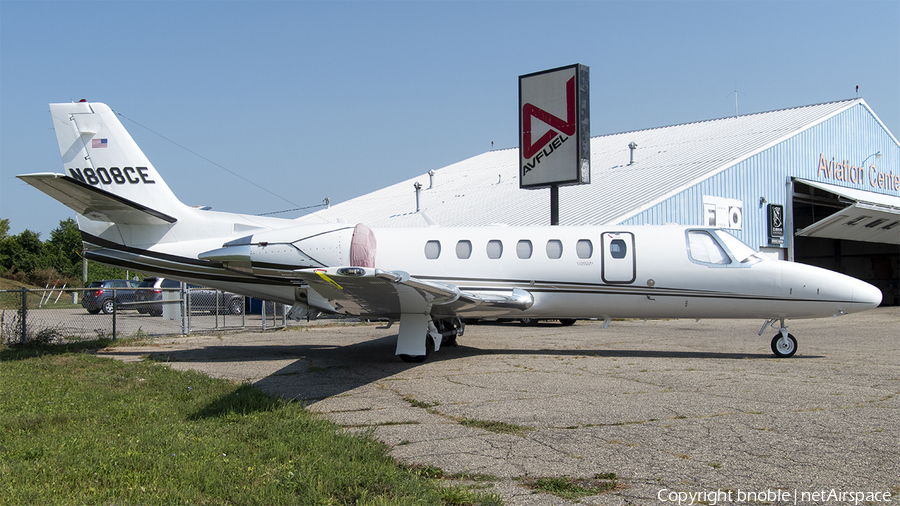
(95, 203)
(371, 292)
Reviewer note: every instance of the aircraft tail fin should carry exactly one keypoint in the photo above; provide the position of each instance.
(107, 176)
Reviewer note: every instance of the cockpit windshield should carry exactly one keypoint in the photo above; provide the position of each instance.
(743, 253)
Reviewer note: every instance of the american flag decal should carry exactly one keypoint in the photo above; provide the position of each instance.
(99, 143)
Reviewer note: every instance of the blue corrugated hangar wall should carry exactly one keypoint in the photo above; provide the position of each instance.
(853, 135)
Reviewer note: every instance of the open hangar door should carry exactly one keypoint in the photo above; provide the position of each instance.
(849, 231)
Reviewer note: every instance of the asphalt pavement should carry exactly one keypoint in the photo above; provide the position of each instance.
(682, 411)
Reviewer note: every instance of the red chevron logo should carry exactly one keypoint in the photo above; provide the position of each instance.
(566, 126)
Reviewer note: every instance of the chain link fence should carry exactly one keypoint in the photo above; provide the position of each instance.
(52, 315)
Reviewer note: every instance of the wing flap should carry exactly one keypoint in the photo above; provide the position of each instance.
(368, 291)
(95, 203)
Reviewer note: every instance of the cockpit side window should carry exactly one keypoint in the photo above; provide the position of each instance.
(741, 252)
(705, 249)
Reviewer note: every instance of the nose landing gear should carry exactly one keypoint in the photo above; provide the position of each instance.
(784, 345)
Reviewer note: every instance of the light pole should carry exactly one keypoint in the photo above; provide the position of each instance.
(877, 155)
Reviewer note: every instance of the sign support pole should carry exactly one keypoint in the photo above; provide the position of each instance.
(554, 205)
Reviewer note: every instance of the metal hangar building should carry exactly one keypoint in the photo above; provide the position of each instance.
(818, 184)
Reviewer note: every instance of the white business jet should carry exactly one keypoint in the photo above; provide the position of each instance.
(430, 278)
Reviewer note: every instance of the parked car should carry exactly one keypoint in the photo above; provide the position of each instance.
(150, 289)
(201, 298)
(99, 295)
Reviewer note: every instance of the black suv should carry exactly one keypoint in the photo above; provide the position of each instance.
(201, 298)
(99, 295)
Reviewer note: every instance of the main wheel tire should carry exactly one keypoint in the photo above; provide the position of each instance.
(565, 322)
(528, 321)
(107, 306)
(784, 348)
(418, 359)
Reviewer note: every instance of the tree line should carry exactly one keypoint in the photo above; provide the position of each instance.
(27, 259)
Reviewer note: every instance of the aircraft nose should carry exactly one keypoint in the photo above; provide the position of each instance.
(865, 296)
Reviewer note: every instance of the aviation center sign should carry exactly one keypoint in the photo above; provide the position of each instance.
(554, 127)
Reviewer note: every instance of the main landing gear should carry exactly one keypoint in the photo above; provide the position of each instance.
(418, 359)
(784, 345)
(443, 330)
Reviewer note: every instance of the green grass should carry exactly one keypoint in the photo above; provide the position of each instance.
(78, 429)
(419, 404)
(572, 488)
(496, 427)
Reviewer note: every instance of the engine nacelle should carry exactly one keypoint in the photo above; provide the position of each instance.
(301, 247)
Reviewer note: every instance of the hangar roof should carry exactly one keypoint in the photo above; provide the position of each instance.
(484, 189)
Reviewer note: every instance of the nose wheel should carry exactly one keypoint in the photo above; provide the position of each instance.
(784, 346)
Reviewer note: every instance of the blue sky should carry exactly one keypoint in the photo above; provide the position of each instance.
(312, 100)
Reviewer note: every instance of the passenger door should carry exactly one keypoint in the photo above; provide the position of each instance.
(618, 257)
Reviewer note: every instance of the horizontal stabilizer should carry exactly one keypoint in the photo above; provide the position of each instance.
(95, 203)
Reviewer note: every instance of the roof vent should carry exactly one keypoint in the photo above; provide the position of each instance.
(418, 187)
(632, 146)
(430, 179)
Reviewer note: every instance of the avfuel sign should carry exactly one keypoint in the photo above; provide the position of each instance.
(555, 127)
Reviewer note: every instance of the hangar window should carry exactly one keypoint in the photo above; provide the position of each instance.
(494, 248)
(463, 249)
(523, 248)
(703, 248)
(432, 249)
(554, 248)
(584, 248)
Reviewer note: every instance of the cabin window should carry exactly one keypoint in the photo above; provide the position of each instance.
(554, 249)
(494, 249)
(618, 248)
(584, 248)
(523, 249)
(432, 249)
(463, 249)
(703, 248)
